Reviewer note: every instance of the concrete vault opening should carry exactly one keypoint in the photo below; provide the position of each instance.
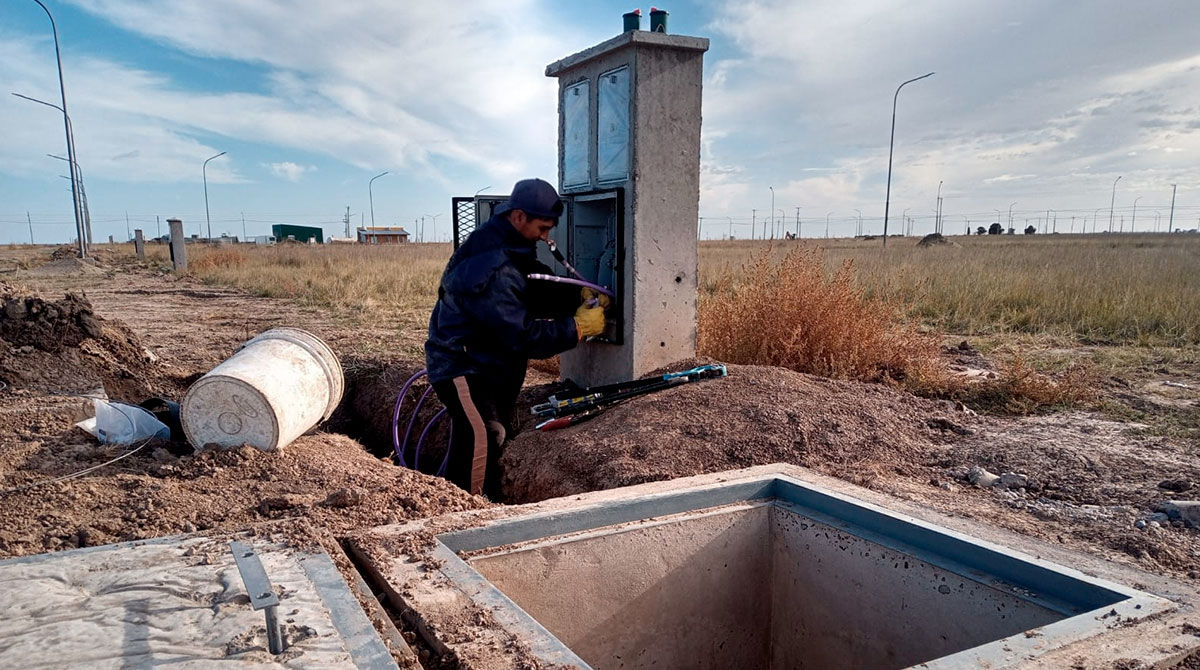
(761, 574)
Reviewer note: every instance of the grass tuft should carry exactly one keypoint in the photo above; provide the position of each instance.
(795, 315)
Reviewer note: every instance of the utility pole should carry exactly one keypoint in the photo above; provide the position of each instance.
(827, 225)
(1073, 223)
(1111, 203)
(730, 226)
(772, 214)
(347, 221)
(753, 222)
(128, 235)
(797, 223)
(30, 226)
(887, 198)
(1171, 221)
(700, 229)
(243, 227)
(937, 220)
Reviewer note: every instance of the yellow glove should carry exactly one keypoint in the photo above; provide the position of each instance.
(589, 321)
(592, 294)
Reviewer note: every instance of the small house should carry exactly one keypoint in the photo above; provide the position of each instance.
(382, 235)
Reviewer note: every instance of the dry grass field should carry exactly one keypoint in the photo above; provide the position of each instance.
(1090, 289)
(1078, 308)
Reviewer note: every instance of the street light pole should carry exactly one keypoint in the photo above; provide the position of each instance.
(730, 226)
(204, 174)
(1010, 215)
(891, 145)
(1111, 203)
(858, 233)
(434, 217)
(62, 90)
(772, 212)
(78, 197)
(1171, 221)
(1133, 224)
(937, 220)
(371, 195)
(827, 225)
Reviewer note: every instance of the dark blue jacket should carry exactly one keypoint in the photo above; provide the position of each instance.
(488, 318)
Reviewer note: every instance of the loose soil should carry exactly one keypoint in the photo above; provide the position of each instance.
(326, 479)
(754, 416)
(55, 353)
(61, 346)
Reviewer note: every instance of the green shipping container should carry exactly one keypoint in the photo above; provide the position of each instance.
(301, 234)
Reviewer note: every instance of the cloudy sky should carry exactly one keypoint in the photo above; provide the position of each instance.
(1041, 104)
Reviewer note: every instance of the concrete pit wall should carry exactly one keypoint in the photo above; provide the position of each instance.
(752, 586)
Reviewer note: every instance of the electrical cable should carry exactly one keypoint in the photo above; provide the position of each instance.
(76, 474)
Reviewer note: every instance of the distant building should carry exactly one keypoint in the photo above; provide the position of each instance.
(285, 232)
(382, 235)
(262, 239)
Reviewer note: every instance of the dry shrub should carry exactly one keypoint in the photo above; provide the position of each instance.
(1018, 388)
(794, 315)
(217, 257)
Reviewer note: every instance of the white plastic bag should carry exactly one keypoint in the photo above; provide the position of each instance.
(118, 423)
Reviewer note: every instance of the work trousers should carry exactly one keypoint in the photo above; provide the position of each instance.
(481, 411)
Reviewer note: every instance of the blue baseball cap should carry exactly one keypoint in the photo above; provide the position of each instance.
(535, 197)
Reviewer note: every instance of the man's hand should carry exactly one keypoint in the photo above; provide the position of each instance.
(594, 297)
(589, 321)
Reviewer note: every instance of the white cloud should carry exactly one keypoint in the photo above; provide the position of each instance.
(289, 170)
(1072, 94)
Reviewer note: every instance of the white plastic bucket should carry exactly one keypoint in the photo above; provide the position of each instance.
(273, 390)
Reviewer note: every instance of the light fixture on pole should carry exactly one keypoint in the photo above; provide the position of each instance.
(891, 145)
(78, 198)
(371, 195)
(62, 90)
(204, 174)
(1111, 203)
(434, 217)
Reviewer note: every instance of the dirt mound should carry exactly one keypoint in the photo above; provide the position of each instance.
(66, 267)
(933, 240)
(64, 347)
(327, 479)
(756, 415)
(64, 251)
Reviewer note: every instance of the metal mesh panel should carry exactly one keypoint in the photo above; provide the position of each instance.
(464, 218)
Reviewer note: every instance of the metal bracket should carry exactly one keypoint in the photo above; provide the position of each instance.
(262, 595)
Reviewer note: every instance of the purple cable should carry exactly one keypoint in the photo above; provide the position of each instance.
(396, 416)
(421, 440)
(449, 443)
(576, 282)
(412, 421)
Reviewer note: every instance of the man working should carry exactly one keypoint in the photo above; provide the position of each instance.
(489, 321)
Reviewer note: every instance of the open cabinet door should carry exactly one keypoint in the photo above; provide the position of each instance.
(591, 235)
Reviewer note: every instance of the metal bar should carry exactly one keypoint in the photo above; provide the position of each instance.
(262, 595)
